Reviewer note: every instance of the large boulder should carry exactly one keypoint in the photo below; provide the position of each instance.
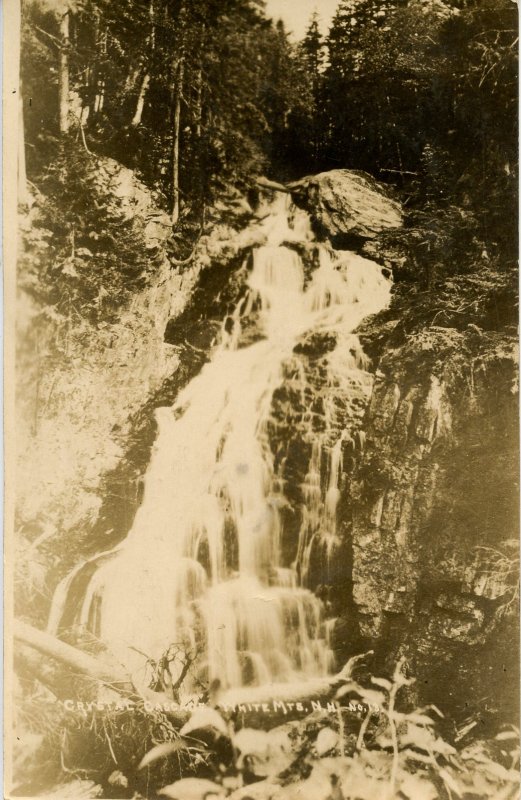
(347, 203)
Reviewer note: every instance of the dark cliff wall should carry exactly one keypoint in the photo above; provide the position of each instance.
(433, 507)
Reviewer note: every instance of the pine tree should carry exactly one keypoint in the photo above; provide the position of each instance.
(312, 50)
(341, 38)
(351, 22)
(312, 58)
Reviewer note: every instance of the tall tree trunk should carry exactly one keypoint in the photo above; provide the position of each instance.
(151, 14)
(145, 82)
(63, 75)
(198, 113)
(92, 69)
(99, 98)
(175, 146)
(22, 174)
(136, 119)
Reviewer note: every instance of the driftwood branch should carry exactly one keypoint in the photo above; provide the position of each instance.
(181, 262)
(265, 183)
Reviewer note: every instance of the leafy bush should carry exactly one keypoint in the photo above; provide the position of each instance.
(410, 758)
(396, 753)
(377, 744)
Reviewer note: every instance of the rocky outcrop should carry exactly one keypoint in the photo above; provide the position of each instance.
(395, 490)
(346, 204)
(134, 201)
(433, 502)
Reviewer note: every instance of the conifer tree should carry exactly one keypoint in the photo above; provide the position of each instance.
(312, 50)
(312, 58)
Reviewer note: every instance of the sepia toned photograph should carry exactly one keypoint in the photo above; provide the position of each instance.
(261, 528)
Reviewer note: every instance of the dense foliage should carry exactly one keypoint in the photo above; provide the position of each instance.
(374, 744)
(189, 95)
(128, 66)
(423, 94)
(420, 89)
(84, 257)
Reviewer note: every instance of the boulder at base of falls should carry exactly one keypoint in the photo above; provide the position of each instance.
(346, 203)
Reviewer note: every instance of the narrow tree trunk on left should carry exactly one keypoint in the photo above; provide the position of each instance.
(22, 174)
(63, 74)
(99, 99)
(145, 81)
(136, 119)
(175, 146)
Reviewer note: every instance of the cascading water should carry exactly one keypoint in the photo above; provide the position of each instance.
(202, 565)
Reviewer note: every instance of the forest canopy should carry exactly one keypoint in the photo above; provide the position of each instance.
(422, 88)
(200, 96)
(197, 97)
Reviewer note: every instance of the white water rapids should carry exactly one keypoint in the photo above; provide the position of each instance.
(202, 564)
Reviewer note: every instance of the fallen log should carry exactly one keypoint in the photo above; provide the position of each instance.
(98, 670)
(29, 664)
(77, 660)
(84, 665)
(265, 183)
(311, 689)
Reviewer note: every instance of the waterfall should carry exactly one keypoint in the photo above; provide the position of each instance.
(202, 567)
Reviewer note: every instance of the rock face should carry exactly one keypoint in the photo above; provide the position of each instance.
(434, 522)
(85, 419)
(347, 204)
(75, 406)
